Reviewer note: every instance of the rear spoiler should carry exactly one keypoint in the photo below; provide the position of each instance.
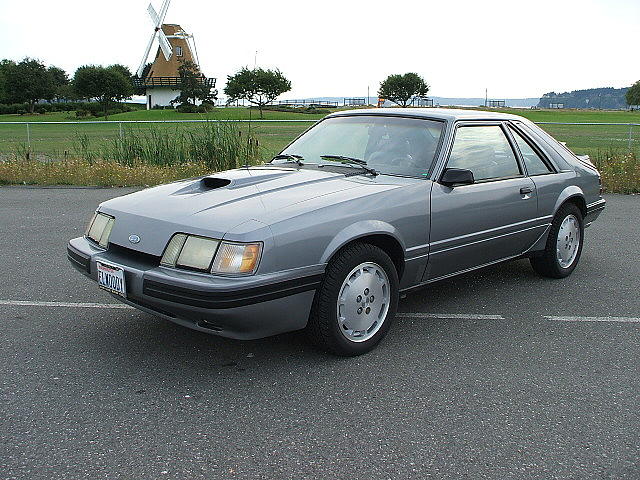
(586, 159)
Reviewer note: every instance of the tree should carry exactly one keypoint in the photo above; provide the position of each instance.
(60, 82)
(123, 70)
(5, 67)
(192, 85)
(400, 88)
(138, 87)
(633, 94)
(105, 84)
(29, 82)
(260, 87)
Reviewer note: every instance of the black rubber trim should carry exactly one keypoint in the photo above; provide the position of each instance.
(237, 298)
(81, 261)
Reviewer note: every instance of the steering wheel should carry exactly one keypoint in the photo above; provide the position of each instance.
(405, 160)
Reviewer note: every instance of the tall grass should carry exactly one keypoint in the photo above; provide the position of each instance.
(139, 157)
(218, 146)
(620, 171)
(98, 173)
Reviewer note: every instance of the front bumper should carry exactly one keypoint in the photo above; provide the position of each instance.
(242, 307)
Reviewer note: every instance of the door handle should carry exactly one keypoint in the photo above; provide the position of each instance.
(526, 190)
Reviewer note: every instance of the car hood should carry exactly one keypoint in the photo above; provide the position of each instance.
(213, 205)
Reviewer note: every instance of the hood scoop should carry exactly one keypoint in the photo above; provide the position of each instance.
(210, 183)
(203, 185)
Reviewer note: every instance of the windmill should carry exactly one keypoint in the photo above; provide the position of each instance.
(161, 81)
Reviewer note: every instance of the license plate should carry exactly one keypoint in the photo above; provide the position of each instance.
(111, 278)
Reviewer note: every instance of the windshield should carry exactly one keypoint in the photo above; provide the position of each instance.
(391, 145)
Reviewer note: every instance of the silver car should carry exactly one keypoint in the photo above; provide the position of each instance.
(362, 207)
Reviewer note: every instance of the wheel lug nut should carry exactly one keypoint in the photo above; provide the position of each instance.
(359, 310)
(371, 299)
(366, 291)
(367, 310)
(359, 299)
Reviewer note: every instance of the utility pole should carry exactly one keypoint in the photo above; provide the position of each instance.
(255, 60)
(486, 96)
(368, 102)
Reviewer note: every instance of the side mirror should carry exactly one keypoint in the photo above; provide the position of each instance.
(453, 177)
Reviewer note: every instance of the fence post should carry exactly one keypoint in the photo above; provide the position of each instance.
(630, 136)
(28, 142)
(120, 127)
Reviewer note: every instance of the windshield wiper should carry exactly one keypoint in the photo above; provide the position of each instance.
(351, 161)
(291, 157)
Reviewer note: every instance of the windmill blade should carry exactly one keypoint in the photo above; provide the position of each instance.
(146, 54)
(163, 11)
(155, 19)
(165, 46)
(195, 49)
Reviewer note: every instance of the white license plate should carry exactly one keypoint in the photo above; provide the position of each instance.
(111, 278)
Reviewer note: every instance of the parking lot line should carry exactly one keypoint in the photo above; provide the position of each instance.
(443, 316)
(593, 319)
(459, 316)
(28, 303)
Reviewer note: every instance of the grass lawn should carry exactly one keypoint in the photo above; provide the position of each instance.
(63, 141)
(217, 114)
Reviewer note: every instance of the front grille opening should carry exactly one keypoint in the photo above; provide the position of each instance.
(134, 254)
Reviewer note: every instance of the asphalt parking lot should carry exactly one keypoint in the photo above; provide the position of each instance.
(495, 374)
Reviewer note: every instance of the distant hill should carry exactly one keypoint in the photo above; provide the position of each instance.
(602, 98)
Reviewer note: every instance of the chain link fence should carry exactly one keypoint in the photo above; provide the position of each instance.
(50, 141)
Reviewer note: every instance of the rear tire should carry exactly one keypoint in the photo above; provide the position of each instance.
(564, 244)
(355, 304)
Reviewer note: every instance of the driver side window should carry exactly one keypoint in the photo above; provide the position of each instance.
(485, 151)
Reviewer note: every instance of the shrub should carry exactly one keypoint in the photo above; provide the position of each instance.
(187, 108)
(620, 171)
(285, 108)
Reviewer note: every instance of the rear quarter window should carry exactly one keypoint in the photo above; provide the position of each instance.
(562, 157)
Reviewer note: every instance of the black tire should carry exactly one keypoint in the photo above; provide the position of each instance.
(546, 263)
(323, 328)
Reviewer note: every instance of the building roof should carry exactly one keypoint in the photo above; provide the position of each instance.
(162, 67)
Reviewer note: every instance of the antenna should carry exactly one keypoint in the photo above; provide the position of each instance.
(165, 46)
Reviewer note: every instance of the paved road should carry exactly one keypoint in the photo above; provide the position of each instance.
(113, 393)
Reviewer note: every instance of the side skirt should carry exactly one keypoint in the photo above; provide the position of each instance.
(449, 275)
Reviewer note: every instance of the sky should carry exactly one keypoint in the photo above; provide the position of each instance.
(514, 48)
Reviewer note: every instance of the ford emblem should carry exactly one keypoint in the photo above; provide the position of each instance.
(134, 238)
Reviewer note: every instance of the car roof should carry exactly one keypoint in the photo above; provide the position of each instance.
(448, 114)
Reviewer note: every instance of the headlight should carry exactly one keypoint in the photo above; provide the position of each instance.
(209, 255)
(99, 229)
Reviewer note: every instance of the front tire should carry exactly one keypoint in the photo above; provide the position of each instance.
(356, 302)
(564, 244)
